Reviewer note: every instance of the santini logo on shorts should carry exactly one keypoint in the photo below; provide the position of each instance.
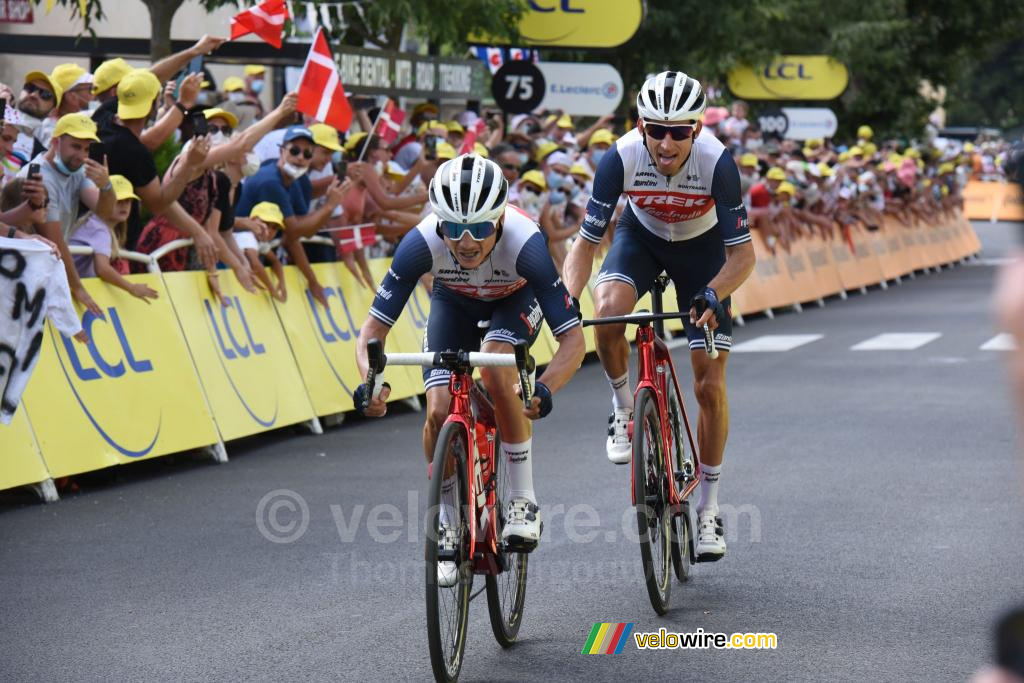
(672, 207)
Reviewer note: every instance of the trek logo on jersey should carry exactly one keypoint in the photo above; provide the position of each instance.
(672, 207)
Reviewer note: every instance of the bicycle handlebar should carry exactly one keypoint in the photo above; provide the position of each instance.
(455, 361)
(642, 318)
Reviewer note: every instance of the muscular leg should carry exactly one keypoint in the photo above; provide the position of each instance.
(438, 401)
(713, 418)
(613, 298)
(508, 407)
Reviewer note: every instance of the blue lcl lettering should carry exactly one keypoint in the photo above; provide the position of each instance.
(237, 349)
(566, 6)
(110, 370)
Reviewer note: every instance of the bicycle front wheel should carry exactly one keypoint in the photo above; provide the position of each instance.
(448, 542)
(506, 592)
(650, 490)
(683, 468)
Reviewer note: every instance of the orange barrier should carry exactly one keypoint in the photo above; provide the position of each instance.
(993, 201)
(823, 264)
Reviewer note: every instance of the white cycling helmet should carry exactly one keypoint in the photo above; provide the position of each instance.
(469, 189)
(671, 96)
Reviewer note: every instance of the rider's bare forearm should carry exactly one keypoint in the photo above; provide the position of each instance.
(371, 329)
(578, 266)
(568, 357)
(739, 264)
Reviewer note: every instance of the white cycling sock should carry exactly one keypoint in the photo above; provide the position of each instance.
(447, 511)
(709, 488)
(520, 470)
(622, 396)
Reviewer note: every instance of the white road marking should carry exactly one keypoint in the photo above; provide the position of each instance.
(1000, 342)
(896, 341)
(771, 343)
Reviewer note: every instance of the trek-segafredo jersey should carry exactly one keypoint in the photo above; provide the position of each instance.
(705, 192)
(519, 259)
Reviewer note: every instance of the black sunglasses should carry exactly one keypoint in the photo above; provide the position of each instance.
(510, 166)
(221, 129)
(43, 94)
(295, 151)
(658, 131)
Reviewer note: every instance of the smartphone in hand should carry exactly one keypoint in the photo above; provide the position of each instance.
(341, 169)
(200, 126)
(34, 172)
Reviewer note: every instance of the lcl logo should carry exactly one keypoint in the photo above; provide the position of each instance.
(787, 71)
(106, 364)
(339, 333)
(563, 5)
(237, 350)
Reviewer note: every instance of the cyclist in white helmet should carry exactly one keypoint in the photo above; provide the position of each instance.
(684, 216)
(489, 262)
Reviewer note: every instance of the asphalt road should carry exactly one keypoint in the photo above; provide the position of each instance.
(877, 530)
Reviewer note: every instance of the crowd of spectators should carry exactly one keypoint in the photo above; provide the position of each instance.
(133, 159)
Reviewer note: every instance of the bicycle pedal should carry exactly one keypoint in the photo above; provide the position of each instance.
(447, 555)
(708, 557)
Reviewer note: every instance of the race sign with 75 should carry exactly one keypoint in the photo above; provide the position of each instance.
(518, 87)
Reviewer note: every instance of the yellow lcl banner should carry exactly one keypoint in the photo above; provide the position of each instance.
(791, 77)
(576, 23)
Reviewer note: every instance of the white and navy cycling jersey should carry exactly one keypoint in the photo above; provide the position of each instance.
(520, 258)
(704, 193)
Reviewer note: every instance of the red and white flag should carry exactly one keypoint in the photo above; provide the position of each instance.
(321, 94)
(351, 238)
(265, 20)
(472, 134)
(390, 122)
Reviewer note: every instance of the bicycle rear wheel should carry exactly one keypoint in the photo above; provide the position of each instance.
(650, 490)
(448, 606)
(683, 468)
(506, 592)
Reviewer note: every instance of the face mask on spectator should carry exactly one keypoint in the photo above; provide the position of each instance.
(59, 163)
(218, 138)
(754, 144)
(598, 154)
(336, 159)
(556, 197)
(205, 98)
(93, 105)
(379, 168)
(257, 87)
(236, 96)
(251, 164)
(294, 172)
(524, 158)
(555, 179)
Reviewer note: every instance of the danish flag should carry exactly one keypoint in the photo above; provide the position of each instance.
(352, 238)
(321, 94)
(391, 120)
(265, 20)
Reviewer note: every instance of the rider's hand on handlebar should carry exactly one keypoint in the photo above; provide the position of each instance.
(377, 406)
(541, 403)
(705, 308)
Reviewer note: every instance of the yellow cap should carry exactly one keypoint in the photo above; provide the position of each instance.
(748, 159)
(535, 177)
(912, 152)
(136, 93)
(865, 133)
(544, 149)
(825, 170)
(122, 188)
(895, 158)
(108, 74)
(69, 75)
(42, 76)
(808, 151)
(843, 156)
(580, 169)
(601, 136)
(815, 143)
(233, 83)
(968, 147)
(920, 164)
(326, 136)
(254, 70)
(564, 121)
(481, 150)
(427, 125)
(423, 107)
(353, 141)
(217, 112)
(268, 212)
(869, 149)
(946, 168)
(454, 127)
(856, 151)
(775, 173)
(445, 151)
(79, 126)
(395, 170)
(787, 188)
